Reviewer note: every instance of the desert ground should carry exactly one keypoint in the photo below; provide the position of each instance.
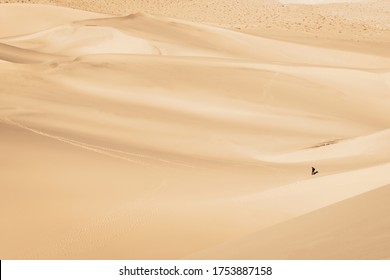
(189, 129)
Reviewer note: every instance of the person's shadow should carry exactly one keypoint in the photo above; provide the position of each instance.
(313, 171)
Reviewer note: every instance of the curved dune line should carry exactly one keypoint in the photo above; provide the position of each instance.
(98, 149)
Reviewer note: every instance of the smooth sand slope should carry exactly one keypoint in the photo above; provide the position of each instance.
(340, 231)
(147, 137)
(19, 19)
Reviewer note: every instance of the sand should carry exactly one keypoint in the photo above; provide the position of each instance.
(175, 132)
(343, 230)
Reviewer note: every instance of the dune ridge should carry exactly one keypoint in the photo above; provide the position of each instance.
(143, 136)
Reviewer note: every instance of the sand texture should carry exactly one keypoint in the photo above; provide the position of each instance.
(131, 130)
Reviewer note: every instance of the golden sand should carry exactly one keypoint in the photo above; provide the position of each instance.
(180, 129)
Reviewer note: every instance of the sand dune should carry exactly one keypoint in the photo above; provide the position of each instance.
(19, 19)
(151, 137)
(375, 145)
(350, 229)
(135, 34)
(20, 55)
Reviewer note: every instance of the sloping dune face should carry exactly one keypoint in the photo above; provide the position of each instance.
(19, 19)
(146, 137)
(318, 235)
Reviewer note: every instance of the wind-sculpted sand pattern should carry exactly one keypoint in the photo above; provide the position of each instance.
(118, 154)
(182, 136)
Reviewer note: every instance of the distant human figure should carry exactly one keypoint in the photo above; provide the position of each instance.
(313, 171)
